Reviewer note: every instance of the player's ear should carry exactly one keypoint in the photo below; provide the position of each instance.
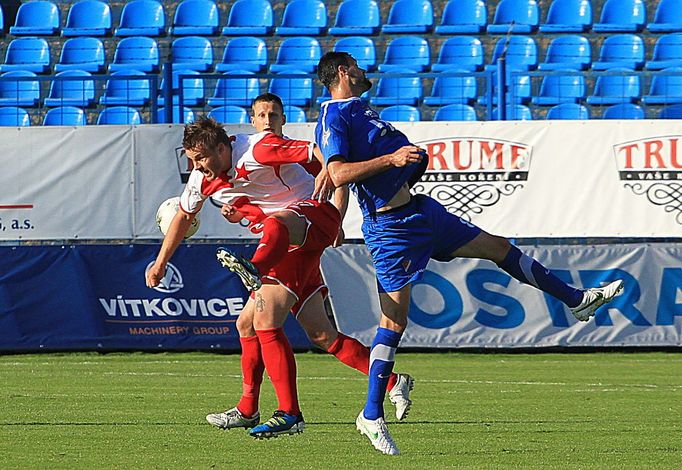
(284, 118)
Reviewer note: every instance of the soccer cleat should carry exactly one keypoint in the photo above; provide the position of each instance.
(280, 423)
(378, 434)
(241, 267)
(594, 298)
(400, 396)
(233, 418)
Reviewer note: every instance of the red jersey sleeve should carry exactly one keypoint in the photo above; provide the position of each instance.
(274, 150)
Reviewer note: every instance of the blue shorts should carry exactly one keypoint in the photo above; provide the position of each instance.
(402, 241)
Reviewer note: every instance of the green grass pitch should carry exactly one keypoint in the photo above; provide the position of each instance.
(478, 411)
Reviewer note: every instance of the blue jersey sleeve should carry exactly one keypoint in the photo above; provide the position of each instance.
(332, 134)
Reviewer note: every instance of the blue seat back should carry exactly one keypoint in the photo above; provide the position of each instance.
(454, 89)
(202, 15)
(293, 91)
(299, 53)
(305, 13)
(36, 18)
(143, 14)
(28, 51)
(668, 47)
(230, 114)
(400, 113)
(463, 52)
(137, 50)
(245, 53)
(518, 12)
(241, 91)
(624, 12)
(83, 90)
(131, 89)
(563, 87)
(668, 84)
(187, 115)
(568, 111)
(668, 12)
(407, 52)
(358, 14)
(521, 53)
(623, 84)
(194, 51)
(122, 115)
(89, 15)
(570, 12)
(25, 90)
(13, 116)
(411, 13)
(624, 111)
(673, 111)
(361, 48)
(398, 90)
(250, 13)
(621, 50)
(81, 51)
(295, 114)
(568, 52)
(515, 112)
(65, 116)
(455, 112)
(466, 16)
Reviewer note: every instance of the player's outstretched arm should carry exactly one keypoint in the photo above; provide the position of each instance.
(343, 172)
(176, 232)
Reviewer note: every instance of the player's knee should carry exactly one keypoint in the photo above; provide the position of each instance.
(245, 326)
(497, 248)
(322, 339)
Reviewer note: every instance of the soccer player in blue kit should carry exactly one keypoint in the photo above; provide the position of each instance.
(403, 231)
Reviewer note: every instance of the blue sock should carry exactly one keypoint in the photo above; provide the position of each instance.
(527, 270)
(381, 359)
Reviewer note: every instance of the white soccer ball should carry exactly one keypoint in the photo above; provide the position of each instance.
(166, 212)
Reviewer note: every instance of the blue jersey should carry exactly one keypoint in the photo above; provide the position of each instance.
(350, 129)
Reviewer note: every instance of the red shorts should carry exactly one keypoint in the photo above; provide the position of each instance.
(299, 271)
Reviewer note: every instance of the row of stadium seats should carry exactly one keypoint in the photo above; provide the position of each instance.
(405, 53)
(353, 17)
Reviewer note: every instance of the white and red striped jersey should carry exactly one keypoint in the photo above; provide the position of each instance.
(267, 175)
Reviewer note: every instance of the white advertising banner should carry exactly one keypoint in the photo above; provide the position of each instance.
(520, 179)
(472, 303)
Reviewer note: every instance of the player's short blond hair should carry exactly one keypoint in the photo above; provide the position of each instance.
(204, 133)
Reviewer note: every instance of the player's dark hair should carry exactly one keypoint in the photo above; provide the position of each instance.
(328, 67)
(204, 133)
(268, 98)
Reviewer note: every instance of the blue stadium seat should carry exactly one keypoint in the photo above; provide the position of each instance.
(142, 18)
(521, 52)
(515, 112)
(293, 91)
(31, 54)
(19, 93)
(361, 48)
(230, 114)
(515, 16)
(192, 53)
(666, 87)
(400, 113)
(249, 18)
(303, 18)
(239, 91)
(624, 111)
(674, 111)
(463, 17)
(65, 116)
(136, 53)
(409, 17)
(568, 52)
(462, 52)
(187, 115)
(71, 92)
(81, 54)
(621, 16)
(557, 89)
(621, 50)
(518, 91)
(88, 18)
(357, 17)
(398, 90)
(126, 92)
(568, 16)
(452, 89)
(2, 22)
(668, 17)
(667, 52)
(122, 115)
(15, 117)
(36, 19)
(192, 89)
(455, 112)
(299, 53)
(573, 111)
(621, 85)
(411, 52)
(195, 17)
(295, 114)
(244, 53)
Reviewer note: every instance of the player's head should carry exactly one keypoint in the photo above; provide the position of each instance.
(267, 113)
(207, 145)
(339, 70)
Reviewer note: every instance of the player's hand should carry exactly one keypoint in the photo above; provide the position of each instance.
(155, 274)
(407, 155)
(324, 187)
(231, 214)
(340, 238)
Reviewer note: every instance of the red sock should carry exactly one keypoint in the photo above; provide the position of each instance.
(273, 245)
(252, 375)
(281, 366)
(351, 352)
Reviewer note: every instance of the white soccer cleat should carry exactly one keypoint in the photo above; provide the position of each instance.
(233, 418)
(400, 396)
(378, 434)
(594, 298)
(242, 267)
